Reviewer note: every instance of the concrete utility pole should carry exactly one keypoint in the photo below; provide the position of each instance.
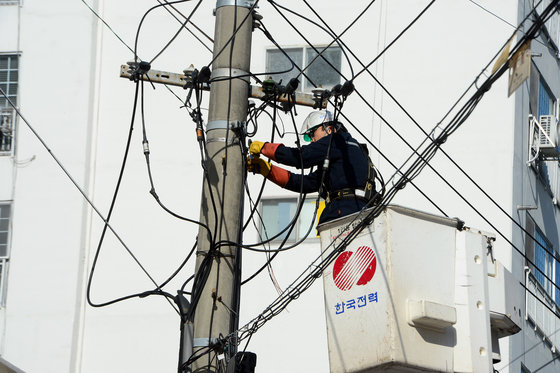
(227, 115)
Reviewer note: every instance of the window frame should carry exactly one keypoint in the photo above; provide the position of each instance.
(6, 110)
(9, 82)
(305, 85)
(550, 264)
(296, 231)
(7, 118)
(5, 259)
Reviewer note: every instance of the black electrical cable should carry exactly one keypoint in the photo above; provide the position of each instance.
(190, 21)
(329, 31)
(263, 28)
(102, 237)
(253, 7)
(396, 38)
(178, 31)
(181, 266)
(107, 25)
(153, 192)
(460, 119)
(142, 21)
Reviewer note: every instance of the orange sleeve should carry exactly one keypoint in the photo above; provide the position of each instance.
(269, 150)
(279, 176)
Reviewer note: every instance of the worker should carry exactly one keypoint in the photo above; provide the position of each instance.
(346, 166)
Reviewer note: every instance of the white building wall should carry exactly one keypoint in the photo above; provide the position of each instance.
(71, 93)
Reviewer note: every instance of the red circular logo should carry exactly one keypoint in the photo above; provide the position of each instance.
(354, 268)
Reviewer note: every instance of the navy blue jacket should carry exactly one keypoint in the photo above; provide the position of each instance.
(348, 168)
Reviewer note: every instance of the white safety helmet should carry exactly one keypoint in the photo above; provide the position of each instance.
(314, 120)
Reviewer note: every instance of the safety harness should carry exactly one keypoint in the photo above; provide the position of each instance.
(367, 193)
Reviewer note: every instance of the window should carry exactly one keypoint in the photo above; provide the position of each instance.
(8, 79)
(546, 100)
(6, 130)
(278, 213)
(9, 85)
(319, 72)
(544, 259)
(5, 212)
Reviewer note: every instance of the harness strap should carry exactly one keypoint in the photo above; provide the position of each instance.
(345, 193)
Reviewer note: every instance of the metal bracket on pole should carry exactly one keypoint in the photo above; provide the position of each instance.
(203, 342)
(223, 124)
(185, 81)
(231, 141)
(230, 73)
(242, 3)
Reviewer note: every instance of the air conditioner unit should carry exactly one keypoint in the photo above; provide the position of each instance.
(548, 140)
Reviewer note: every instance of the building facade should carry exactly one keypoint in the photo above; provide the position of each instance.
(59, 64)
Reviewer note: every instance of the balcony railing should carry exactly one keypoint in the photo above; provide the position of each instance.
(7, 124)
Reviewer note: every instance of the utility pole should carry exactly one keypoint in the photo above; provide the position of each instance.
(222, 193)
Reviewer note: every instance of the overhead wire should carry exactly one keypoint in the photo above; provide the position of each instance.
(107, 25)
(269, 312)
(107, 225)
(172, 92)
(360, 72)
(177, 33)
(426, 134)
(396, 38)
(189, 21)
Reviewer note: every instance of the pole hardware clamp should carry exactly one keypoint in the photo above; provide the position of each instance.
(231, 141)
(241, 3)
(203, 342)
(223, 125)
(226, 72)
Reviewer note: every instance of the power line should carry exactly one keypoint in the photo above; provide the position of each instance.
(445, 153)
(396, 38)
(82, 192)
(271, 311)
(178, 32)
(189, 21)
(107, 25)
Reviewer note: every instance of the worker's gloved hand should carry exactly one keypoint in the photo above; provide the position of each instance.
(256, 164)
(256, 147)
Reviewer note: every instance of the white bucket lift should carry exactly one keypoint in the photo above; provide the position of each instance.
(410, 293)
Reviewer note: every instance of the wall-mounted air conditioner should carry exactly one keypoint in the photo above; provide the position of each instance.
(548, 136)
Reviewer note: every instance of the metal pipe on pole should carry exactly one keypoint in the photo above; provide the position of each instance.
(221, 208)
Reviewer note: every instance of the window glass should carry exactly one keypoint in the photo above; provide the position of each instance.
(544, 261)
(4, 229)
(557, 280)
(319, 71)
(546, 100)
(6, 129)
(306, 219)
(8, 79)
(278, 213)
(280, 67)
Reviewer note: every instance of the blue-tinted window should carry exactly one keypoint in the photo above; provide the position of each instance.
(277, 214)
(545, 262)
